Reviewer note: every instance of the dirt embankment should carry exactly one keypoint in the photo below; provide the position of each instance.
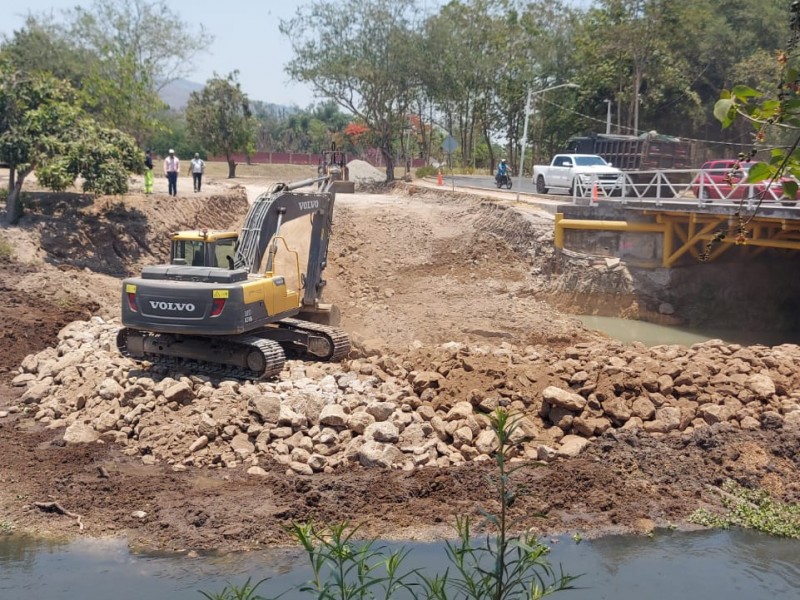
(444, 295)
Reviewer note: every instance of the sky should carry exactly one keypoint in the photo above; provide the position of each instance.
(246, 38)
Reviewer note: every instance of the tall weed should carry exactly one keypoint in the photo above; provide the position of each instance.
(501, 566)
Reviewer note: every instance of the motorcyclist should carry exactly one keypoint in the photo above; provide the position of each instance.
(502, 171)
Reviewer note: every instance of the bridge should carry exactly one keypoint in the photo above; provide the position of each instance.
(662, 218)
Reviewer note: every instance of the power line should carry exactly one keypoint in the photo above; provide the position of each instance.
(591, 118)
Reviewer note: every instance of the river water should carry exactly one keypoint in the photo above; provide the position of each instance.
(705, 565)
(650, 334)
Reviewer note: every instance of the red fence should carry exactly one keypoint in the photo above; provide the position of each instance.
(373, 157)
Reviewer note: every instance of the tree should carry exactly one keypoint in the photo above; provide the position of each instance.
(774, 114)
(359, 54)
(116, 53)
(219, 118)
(148, 33)
(42, 130)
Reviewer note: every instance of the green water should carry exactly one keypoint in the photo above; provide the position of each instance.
(719, 565)
(649, 334)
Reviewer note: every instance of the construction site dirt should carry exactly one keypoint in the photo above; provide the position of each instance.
(412, 269)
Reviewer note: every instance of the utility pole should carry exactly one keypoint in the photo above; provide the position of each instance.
(524, 140)
(608, 116)
(525, 133)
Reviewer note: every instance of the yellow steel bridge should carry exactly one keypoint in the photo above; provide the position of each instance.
(703, 236)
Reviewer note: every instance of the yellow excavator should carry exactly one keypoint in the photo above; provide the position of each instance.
(234, 304)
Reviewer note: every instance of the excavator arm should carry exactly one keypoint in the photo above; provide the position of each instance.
(270, 212)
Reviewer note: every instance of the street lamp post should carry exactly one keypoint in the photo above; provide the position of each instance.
(531, 94)
(608, 116)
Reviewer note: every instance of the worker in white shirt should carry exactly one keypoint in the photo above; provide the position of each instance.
(196, 169)
(172, 166)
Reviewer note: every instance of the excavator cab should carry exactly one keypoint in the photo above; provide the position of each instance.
(204, 248)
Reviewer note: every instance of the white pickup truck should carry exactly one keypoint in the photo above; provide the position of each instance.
(578, 173)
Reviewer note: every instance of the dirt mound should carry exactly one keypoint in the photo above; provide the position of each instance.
(29, 321)
(362, 172)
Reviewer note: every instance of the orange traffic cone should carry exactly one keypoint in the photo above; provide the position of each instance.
(595, 193)
(439, 180)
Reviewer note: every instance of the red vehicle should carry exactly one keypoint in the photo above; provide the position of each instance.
(722, 179)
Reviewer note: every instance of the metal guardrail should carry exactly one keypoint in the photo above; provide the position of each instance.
(688, 186)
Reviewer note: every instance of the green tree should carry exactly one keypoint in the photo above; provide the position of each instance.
(42, 130)
(116, 53)
(359, 54)
(42, 45)
(160, 44)
(772, 114)
(219, 118)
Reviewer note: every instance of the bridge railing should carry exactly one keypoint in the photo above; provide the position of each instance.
(682, 185)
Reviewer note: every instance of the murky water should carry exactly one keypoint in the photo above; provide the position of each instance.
(733, 565)
(651, 334)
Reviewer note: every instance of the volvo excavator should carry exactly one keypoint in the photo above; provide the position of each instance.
(235, 303)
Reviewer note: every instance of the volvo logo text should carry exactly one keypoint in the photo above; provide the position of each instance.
(175, 306)
(308, 204)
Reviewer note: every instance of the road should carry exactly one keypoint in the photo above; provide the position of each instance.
(487, 182)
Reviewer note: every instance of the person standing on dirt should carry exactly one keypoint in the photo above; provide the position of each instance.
(196, 169)
(148, 172)
(172, 166)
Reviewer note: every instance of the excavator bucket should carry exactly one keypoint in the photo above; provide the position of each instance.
(343, 187)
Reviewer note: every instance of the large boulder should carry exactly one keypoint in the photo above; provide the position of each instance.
(562, 398)
(80, 433)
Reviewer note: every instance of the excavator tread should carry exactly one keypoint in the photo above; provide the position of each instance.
(340, 341)
(274, 357)
(273, 353)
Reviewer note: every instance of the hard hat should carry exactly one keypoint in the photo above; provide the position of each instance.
(171, 151)
(196, 155)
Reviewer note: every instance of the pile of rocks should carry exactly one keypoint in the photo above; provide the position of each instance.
(429, 407)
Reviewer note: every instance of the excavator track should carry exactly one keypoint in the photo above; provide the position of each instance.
(258, 357)
(337, 339)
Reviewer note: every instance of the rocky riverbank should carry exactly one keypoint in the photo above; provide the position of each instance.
(402, 411)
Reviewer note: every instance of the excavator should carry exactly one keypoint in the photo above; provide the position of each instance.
(234, 304)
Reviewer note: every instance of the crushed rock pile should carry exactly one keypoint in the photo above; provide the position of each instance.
(363, 172)
(385, 411)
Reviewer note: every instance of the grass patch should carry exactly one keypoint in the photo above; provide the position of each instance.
(6, 250)
(752, 509)
(219, 170)
(6, 527)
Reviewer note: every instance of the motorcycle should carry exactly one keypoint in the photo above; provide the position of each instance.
(503, 181)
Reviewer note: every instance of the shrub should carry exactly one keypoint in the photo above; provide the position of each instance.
(426, 171)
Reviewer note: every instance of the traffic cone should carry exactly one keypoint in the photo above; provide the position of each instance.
(439, 180)
(595, 193)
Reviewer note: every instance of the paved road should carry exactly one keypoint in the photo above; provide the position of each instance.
(487, 182)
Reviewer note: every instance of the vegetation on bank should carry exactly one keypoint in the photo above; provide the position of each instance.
(504, 565)
(752, 509)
